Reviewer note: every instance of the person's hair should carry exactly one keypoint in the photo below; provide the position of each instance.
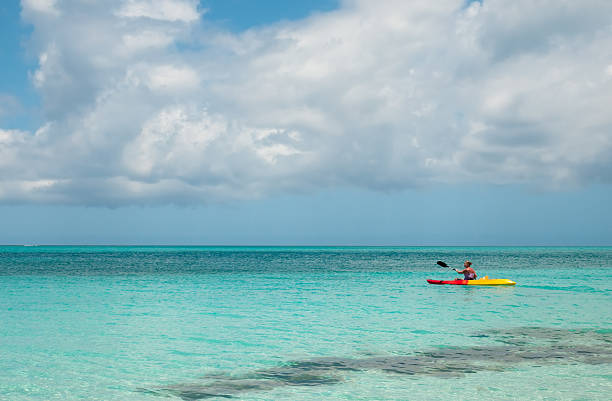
(468, 263)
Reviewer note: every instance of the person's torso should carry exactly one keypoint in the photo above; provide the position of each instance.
(469, 274)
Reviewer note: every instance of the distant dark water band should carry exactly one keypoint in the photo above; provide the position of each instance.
(523, 346)
(127, 261)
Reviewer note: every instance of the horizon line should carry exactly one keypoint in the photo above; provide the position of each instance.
(33, 245)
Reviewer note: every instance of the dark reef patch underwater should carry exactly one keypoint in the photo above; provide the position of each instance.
(521, 346)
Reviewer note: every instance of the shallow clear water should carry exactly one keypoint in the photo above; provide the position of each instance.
(147, 323)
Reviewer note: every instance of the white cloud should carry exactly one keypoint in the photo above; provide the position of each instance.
(146, 40)
(169, 77)
(173, 142)
(382, 95)
(11, 136)
(41, 6)
(165, 10)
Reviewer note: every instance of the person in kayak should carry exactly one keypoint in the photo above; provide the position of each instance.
(468, 272)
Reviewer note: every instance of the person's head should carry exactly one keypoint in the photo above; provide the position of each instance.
(467, 263)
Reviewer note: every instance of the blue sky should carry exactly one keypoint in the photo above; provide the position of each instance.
(305, 123)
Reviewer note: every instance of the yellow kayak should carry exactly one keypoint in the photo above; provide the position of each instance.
(483, 281)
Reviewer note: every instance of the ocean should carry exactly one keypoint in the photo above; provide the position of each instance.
(303, 323)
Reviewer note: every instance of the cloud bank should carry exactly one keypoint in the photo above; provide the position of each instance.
(145, 101)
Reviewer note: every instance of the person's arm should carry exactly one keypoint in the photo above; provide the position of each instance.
(460, 271)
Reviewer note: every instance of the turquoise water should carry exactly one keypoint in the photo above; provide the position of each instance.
(191, 323)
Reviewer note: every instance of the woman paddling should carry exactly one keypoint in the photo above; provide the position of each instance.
(468, 272)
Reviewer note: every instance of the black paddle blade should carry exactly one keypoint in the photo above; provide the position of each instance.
(442, 263)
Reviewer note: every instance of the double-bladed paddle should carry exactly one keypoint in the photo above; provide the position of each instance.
(440, 263)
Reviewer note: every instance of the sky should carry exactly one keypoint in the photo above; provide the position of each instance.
(349, 122)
